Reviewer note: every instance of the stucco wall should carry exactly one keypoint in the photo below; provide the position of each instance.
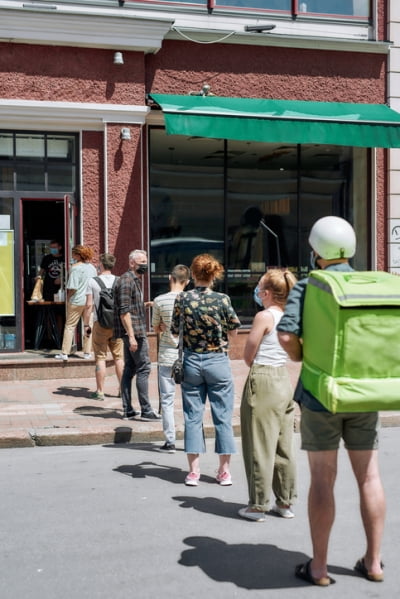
(70, 74)
(262, 72)
(127, 215)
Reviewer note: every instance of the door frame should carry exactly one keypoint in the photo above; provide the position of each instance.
(71, 215)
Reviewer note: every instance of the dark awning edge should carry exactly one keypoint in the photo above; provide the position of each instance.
(284, 121)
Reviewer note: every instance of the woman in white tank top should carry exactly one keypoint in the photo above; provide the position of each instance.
(267, 407)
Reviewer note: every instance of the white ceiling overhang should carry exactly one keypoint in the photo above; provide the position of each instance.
(143, 27)
(68, 116)
(61, 25)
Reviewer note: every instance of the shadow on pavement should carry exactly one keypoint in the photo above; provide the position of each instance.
(258, 566)
(136, 446)
(98, 411)
(168, 473)
(74, 391)
(210, 505)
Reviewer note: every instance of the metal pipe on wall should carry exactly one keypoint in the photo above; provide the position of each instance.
(105, 185)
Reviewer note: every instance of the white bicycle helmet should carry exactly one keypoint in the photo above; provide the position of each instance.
(332, 237)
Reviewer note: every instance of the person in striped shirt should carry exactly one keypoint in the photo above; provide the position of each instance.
(163, 306)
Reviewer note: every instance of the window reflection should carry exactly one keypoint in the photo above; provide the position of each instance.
(357, 8)
(250, 204)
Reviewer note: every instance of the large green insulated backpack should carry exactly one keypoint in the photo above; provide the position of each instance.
(351, 340)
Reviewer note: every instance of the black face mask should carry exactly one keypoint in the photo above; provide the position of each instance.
(142, 269)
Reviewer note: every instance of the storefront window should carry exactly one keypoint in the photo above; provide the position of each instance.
(30, 176)
(37, 162)
(29, 147)
(250, 204)
(6, 146)
(187, 203)
(7, 296)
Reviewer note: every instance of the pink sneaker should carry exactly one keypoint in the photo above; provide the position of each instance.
(192, 479)
(224, 479)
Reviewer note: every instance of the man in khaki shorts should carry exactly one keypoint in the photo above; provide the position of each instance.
(103, 339)
(333, 242)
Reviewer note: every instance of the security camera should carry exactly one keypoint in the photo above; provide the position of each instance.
(259, 28)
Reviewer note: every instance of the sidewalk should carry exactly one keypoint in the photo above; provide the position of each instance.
(61, 412)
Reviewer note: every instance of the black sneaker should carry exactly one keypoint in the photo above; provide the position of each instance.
(130, 415)
(150, 416)
(167, 448)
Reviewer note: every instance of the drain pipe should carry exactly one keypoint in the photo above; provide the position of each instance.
(105, 188)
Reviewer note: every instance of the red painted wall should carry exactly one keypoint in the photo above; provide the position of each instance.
(92, 200)
(70, 74)
(127, 217)
(265, 72)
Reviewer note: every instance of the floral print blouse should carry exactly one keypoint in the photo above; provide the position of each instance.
(208, 316)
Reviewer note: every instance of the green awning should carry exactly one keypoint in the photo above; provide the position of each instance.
(285, 121)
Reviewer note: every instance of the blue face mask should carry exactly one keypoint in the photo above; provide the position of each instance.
(256, 297)
(72, 261)
(54, 251)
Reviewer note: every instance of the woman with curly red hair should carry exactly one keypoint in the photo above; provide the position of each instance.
(208, 322)
(81, 271)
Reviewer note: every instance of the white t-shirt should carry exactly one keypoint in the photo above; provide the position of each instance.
(93, 289)
(78, 279)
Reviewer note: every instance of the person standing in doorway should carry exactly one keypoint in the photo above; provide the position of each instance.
(333, 242)
(167, 352)
(81, 271)
(51, 270)
(130, 325)
(103, 337)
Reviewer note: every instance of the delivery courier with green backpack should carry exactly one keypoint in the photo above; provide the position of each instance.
(351, 335)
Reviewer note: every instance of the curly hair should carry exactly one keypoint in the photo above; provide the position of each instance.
(86, 253)
(280, 282)
(205, 267)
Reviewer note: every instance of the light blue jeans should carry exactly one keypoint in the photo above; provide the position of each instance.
(167, 393)
(208, 375)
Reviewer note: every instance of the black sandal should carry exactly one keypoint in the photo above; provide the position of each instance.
(361, 568)
(303, 571)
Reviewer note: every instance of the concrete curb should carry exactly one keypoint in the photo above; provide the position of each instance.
(138, 432)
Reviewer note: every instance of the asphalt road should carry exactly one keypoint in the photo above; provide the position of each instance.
(117, 521)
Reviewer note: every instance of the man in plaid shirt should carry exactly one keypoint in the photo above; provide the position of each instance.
(130, 325)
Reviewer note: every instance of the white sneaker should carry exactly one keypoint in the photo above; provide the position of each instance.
(87, 356)
(244, 512)
(283, 512)
(61, 357)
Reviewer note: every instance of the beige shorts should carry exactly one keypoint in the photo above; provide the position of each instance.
(103, 340)
(322, 431)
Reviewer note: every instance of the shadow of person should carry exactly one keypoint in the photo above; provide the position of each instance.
(249, 566)
(168, 473)
(210, 505)
(74, 391)
(145, 446)
(97, 411)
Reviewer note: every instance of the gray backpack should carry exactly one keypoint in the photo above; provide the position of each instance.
(105, 309)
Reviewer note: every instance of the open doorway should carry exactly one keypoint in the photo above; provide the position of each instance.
(43, 222)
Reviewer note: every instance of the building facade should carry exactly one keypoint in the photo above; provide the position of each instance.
(188, 127)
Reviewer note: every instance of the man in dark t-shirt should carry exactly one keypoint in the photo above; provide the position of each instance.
(50, 270)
